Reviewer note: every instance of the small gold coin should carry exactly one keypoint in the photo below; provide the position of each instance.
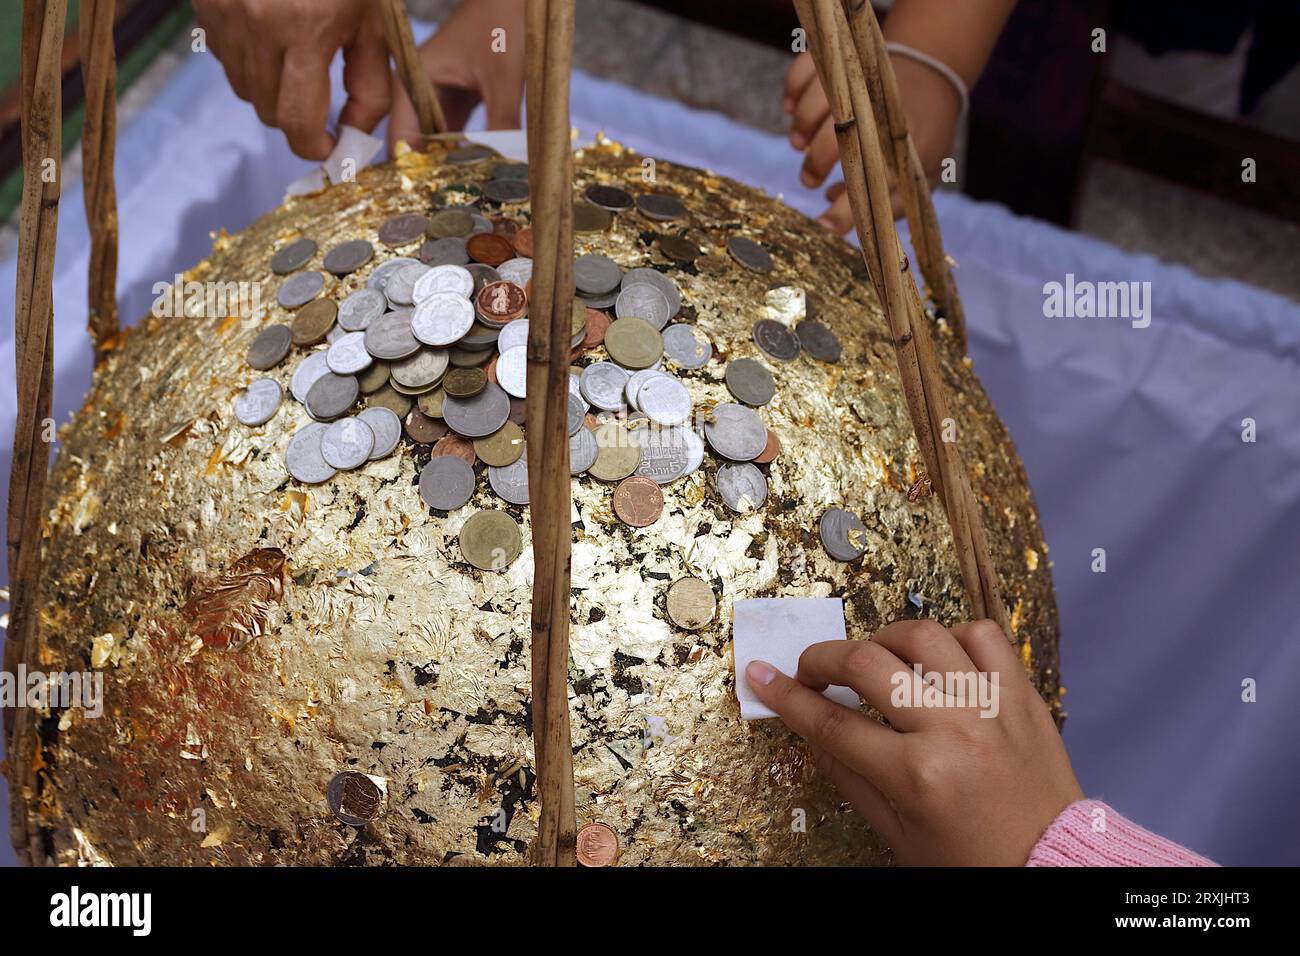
(634, 343)
(313, 321)
(618, 453)
(387, 397)
(464, 383)
(503, 447)
(691, 604)
(490, 540)
(431, 403)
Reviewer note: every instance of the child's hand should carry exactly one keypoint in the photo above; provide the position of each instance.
(464, 66)
(942, 785)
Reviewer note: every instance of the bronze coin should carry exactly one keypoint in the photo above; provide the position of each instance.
(431, 403)
(597, 845)
(458, 445)
(464, 382)
(597, 324)
(501, 302)
(679, 248)
(489, 248)
(589, 218)
(422, 429)
(771, 450)
(503, 447)
(374, 378)
(314, 321)
(389, 398)
(523, 243)
(638, 501)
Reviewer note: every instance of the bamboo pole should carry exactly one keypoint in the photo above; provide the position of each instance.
(401, 44)
(98, 139)
(867, 183)
(549, 57)
(42, 117)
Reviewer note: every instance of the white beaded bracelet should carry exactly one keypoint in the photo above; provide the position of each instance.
(902, 49)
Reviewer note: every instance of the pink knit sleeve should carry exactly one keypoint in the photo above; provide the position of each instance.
(1089, 833)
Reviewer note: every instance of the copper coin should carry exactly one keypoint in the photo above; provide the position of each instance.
(523, 243)
(501, 302)
(422, 429)
(597, 324)
(313, 321)
(771, 450)
(492, 371)
(505, 227)
(464, 382)
(638, 501)
(489, 248)
(517, 411)
(597, 845)
(456, 445)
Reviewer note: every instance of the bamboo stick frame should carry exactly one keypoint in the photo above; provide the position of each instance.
(98, 145)
(401, 44)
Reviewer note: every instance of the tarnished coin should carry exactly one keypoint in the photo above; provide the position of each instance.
(503, 447)
(457, 279)
(258, 403)
(442, 319)
(742, 486)
(479, 416)
(597, 845)
(686, 346)
(470, 358)
(618, 453)
(441, 252)
(292, 257)
(505, 190)
(660, 206)
(485, 275)
(331, 395)
(509, 170)
(391, 399)
(634, 343)
(421, 371)
(643, 301)
(390, 338)
(512, 371)
(473, 153)
(386, 427)
(843, 534)
(347, 257)
(513, 334)
(402, 230)
(750, 254)
(595, 274)
(501, 303)
(449, 224)
(400, 288)
(664, 453)
(270, 347)
(355, 798)
(480, 338)
(431, 402)
(736, 432)
(308, 371)
(446, 483)
(660, 281)
(490, 540)
(299, 289)
(638, 501)
(379, 276)
(422, 429)
(597, 325)
(313, 322)
(770, 451)
(589, 218)
(609, 197)
(679, 248)
(665, 400)
(303, 456)
(458, 446)
(510, 482)
(518, 410)
(602, 385)
(691, 604)
(750, 381)
(819, 341)
(374, 377)
(464, 382)
(776, 339)
(362, 307)
(347, 444)
(582, 450)
(348, 355)
(489, 248)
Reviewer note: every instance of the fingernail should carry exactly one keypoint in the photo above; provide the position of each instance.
(797, 139)
(760, 672)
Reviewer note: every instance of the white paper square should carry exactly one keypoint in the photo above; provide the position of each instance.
(777, 630)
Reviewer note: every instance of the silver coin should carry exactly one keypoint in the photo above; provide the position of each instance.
(602, 385)
(443, 252)
(750, 254)
(331, 396)
(512, 334)
(348, 355)
(347, 444)
(334, 334)
(479, 416)
(582, 450)
(660, 206)
(258, 403)
(660, 281)
(750, 381)
(742, 486)
(512, 370)
(303, 457)
(664, 453)
(299, 289)
(403, 229)
(686, 346)
(694, 450)
(634, 383)
(606, 301)
(383, 272)
(736, 432)
(446, 483)
(347, 257)
(362, 307)
(575, 389)
(292, 257)
(385, 426)
(819, 341)
(643, 300)
(776, 340)
(442, 319)
(400, 288)
(843, 535)
(665, 400)
(421, 370)
(577, 413)
(390, 338)
(595, 274)
(518, 270)
(308, 371)
(481, 224)
(448, 278)
(511, 482)
(483, 275)
(270, 347)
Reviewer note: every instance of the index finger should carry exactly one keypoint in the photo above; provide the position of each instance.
(304, 104)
